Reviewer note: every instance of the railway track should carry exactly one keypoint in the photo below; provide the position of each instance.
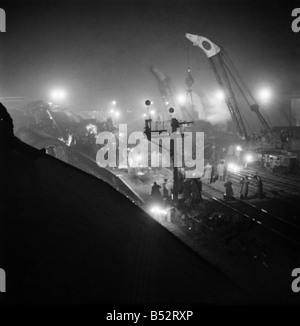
(271, 222)
(272, 186)
(281, 194)
(289, 183)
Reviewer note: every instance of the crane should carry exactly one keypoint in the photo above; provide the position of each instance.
(181, 111)
(227, 76)
(164, 89)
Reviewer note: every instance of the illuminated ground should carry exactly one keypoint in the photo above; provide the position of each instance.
(258, 260)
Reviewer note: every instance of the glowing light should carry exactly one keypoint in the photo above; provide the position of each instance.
(152, 112)
(58, 94)
(112, 111)
(117, 114)
(167, 103)
(220, 95)
(264, 94)
(248, 158)
(238, 148)
(144, 115)
(157, 210)
(233, 167)
(113, 102)
(181, 99)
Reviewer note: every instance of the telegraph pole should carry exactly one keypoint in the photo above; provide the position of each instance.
(175, 124)
(148, 129)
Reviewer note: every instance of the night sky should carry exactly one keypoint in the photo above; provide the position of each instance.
(101, 51)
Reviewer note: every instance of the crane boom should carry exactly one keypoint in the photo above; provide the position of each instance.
(251, 103)
(223, 69)
(164, 89)
(213, 52)
(224, 83)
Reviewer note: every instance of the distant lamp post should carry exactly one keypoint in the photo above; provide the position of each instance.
(58, 95)
(181, 99)
(148, 103)
(117, 114)
(248, 159)
(220, 95)
(238, 148)
(264, 95)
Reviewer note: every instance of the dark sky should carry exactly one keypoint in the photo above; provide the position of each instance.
(101, 51)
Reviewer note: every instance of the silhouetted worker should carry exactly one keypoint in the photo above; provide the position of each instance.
(186, 191)
(228, 189)
(180, 181)
(199, 184)
(221, 171)
(259, 185)
(212, 177)
(196, 193)
(207, 172)
(244, 187)
(165, 189)
(155, 192)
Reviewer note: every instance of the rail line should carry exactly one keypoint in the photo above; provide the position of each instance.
(272, 183)
(271, 222)
(271, 186)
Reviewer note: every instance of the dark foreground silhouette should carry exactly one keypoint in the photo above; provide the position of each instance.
(67, 237)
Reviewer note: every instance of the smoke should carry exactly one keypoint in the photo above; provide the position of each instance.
(211, 108)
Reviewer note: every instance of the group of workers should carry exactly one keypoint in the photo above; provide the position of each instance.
(244, 189)
(156, 194)
(222, 176)
(192, 188)
(209, 172)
